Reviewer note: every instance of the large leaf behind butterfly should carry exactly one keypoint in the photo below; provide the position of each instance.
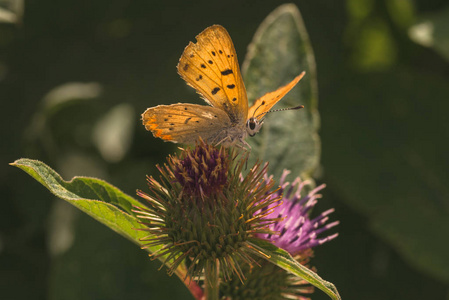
(279, 51)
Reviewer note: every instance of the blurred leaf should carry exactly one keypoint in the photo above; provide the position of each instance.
(371, 43)
(284, 260)
(71, 91)
(101, 265)
(280, 50)
(402, 12)
(11, 11)
(359, 10)
(432, 31)
(113, 132)
(388, 161)
(52, 131)
(60, 229)
(374, 47)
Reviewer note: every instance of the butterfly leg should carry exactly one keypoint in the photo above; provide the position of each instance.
(226, 139)
(243, 144)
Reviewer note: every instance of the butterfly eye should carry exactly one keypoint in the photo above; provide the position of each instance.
(252, 126)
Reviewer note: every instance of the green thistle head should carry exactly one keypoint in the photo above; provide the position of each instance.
(203, 211)
(268, 281)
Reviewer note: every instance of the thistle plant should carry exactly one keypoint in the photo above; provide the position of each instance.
(203, 212)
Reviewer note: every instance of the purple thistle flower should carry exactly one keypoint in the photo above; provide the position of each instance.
(203, 171)
(297, 232)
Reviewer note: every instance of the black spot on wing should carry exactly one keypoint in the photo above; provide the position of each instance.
(165, 120)
(226, 72)
(213, 53)
(203, 66)
(199, 78)
(230, 86)
(219, 51)
(215, 90)
(234, 99)
(186, 66)
(187, 120)
(263, 102)
(210, 62)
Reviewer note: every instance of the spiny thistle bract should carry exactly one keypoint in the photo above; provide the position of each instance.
(202, 212)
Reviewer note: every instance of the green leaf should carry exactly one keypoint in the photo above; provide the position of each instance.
(102, 201)
(281, 50)
(285, 261)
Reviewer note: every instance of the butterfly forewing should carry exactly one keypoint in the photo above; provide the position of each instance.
(184, 123)
(267, 101)
(211, 67)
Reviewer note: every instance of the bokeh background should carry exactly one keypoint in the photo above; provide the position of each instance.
(76, 75)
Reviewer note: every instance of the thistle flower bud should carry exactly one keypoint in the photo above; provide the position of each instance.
(267, 281)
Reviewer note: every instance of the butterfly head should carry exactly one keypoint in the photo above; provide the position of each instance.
(254, 123)
(253, 126)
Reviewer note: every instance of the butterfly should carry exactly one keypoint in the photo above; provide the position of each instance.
(210, 66)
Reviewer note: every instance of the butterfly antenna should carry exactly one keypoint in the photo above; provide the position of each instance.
(281, 109)
(256, 110)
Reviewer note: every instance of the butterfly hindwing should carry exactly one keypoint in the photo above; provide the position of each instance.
(267, 101)
(184, 123)
(211, 67)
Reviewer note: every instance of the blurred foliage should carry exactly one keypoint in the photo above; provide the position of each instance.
(382, 100)
(432, 31)
(11, 11)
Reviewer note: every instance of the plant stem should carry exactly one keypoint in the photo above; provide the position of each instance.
(196, 291)
(212, 280)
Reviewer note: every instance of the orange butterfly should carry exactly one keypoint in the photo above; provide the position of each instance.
(210, 66)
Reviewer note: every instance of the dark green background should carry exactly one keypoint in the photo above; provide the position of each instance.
(383, 101)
